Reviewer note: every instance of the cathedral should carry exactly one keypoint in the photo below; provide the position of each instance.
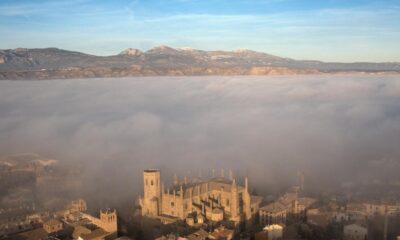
(197, 200)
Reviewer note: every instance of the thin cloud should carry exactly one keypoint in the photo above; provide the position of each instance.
(82, 8)
(328, 34)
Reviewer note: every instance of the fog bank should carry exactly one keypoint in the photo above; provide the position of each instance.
(333, 128)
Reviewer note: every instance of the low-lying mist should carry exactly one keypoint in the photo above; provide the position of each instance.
(336, 129)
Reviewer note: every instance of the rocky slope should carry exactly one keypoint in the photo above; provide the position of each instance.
(49, 63)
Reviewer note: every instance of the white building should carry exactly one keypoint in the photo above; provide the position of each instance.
(340, 217)
(392, 209)
(355, 232)
(274, 231)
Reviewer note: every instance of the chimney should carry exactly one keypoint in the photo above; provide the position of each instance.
(246, 184)
(181, 192)
(175, 179)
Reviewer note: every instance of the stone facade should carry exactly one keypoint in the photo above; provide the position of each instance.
(288, 204)
(355, 232)
(78, 205)
(52, 226)
(212, 199)
(107, 221)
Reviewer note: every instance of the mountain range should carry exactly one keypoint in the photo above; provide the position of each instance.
(48, 63)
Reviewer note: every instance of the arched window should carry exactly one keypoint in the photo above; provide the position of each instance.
(151, 183)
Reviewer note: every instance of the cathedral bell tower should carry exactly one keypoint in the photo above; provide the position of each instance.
(151, 202)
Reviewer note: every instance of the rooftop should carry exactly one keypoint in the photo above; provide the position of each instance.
(199, 235)
(274, 207)
(213, 184)
(221, 233)
(38, 233)
(96, 234)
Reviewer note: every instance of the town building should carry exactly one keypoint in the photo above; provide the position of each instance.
(355, 232)
(319, 218)
(270, 232)
(72, 222)
(105, 226)
(201, 234)
(78, 205)
(290, 204)
(273, 213)
(222, 233)
(391, 209)
(52, 226)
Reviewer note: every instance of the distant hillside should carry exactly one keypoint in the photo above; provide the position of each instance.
(22, 63)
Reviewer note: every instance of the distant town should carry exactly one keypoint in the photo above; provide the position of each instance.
(216, 205)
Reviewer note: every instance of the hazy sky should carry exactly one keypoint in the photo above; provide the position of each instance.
(333, 30)
(334, 128)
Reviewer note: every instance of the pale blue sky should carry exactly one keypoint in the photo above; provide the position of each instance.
(330, 30)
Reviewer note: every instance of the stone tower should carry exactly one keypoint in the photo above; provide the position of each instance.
(152, 192)
(175, 180)
(246, 200)
(235, 202)
(108, 220)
